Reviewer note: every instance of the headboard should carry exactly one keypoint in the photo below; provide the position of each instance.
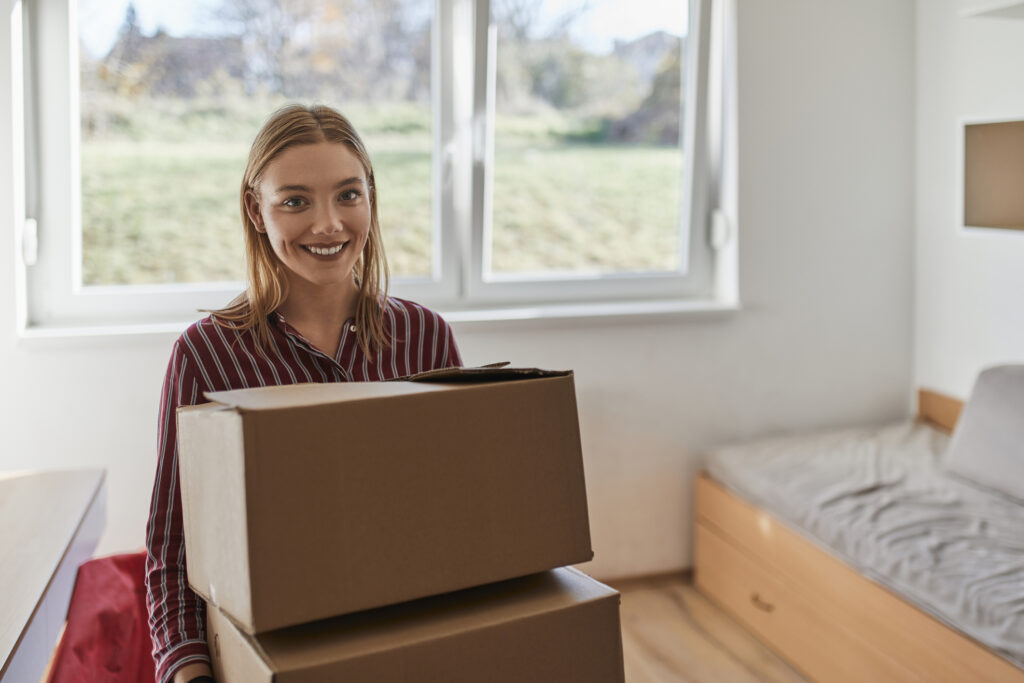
(938, 409)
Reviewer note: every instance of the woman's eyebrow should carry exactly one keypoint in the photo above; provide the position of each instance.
(305, 188)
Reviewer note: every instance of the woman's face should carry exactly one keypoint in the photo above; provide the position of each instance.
(313, 204)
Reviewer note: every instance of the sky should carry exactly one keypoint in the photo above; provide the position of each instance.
(597, 29)
(607, 20)
(99, 20)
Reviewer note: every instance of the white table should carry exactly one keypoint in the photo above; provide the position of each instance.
(50, 522)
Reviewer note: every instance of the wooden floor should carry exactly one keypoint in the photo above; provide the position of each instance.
(671, 633)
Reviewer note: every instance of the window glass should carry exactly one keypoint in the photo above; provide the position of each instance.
(588, 166)
(172, 94)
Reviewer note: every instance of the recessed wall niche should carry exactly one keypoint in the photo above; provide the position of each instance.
(994, 175)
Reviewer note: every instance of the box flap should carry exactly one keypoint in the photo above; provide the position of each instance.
(311, 394)
(496, 372)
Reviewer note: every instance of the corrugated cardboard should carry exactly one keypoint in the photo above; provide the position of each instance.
(557, 627)
(311, 501)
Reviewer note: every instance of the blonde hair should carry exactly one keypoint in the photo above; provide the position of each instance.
(291, 126)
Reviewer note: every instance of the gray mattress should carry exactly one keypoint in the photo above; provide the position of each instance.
(878, 498)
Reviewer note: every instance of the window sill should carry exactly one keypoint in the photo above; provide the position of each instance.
(478, 318)
(603, 312)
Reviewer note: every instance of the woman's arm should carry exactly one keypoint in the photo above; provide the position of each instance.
(176, 614)
(190, 672)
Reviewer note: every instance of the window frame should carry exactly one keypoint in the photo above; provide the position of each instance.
(463, 75)
(694, 281)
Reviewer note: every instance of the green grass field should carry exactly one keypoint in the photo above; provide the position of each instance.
(578, 208)
(158, 212)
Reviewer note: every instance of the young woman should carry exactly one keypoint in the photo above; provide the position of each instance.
(316, 310)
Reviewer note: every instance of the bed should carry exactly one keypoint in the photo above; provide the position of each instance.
(858, 557)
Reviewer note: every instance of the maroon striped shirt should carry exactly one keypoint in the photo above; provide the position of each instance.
(208, 357)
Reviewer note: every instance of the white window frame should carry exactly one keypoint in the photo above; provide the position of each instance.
(694, 279)
(463, 74)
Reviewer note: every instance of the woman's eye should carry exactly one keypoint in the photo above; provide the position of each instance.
(350, 195)
(293, 202)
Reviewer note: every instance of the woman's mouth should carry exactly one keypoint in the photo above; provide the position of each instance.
(325, 249)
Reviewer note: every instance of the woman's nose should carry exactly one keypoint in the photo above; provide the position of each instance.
(328, 219)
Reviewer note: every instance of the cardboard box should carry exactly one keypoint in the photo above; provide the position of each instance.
(557, 627)
(310, 501)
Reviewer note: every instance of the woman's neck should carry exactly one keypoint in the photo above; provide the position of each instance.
(319, 313)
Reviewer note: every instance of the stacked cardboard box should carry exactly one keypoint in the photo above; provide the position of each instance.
(398, 531)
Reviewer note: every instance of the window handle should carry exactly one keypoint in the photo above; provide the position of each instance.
(30, 242)
(720, 230)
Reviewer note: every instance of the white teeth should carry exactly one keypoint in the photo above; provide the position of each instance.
(323, 251)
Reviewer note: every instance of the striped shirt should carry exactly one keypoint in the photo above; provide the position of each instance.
(208, 357)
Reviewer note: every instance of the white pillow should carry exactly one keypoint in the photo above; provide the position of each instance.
(988, 443)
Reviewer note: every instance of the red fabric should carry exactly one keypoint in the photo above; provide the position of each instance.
(106, 639)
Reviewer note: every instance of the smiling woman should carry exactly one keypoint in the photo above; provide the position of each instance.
(308, 188)
(317, 227)
(316, 309)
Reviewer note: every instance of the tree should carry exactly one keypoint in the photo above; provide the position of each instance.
(129, 38)
(267, 28)
(520, 20)
(656, 120)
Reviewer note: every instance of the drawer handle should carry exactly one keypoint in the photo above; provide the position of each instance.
(760, 604)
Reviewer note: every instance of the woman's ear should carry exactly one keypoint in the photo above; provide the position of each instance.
(252, 208)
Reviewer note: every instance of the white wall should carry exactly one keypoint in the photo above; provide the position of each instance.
(825, 206)
(970, 310)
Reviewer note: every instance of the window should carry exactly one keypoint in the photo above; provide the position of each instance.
(525, 150)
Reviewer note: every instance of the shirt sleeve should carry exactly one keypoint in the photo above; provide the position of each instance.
(176, 614)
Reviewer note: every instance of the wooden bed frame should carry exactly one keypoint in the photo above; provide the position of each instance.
(823, 616)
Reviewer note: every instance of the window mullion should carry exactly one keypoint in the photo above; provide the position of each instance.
(698, 183)
(484, 46)
(461, 71)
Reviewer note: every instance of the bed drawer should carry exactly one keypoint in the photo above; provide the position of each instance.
(785, 618)
(843, 595)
